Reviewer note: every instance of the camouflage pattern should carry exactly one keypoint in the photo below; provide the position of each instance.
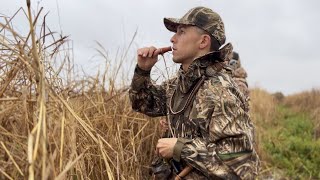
(239, 74)
(215, 126)
(203, 18)
(239, 77)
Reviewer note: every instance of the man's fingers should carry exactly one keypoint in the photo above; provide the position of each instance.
(159, 149)
(163, 123)
(147, 52)
(139, 52)
(163, 50)
(151, 51)
(142, 52)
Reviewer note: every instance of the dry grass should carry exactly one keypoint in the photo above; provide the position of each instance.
(263, 114)
(56, 127)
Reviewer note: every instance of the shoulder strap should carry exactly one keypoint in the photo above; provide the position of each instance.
(189, 99)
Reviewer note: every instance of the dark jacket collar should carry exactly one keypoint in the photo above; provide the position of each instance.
(198, 67)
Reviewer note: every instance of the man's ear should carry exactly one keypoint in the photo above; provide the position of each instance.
(205, 41)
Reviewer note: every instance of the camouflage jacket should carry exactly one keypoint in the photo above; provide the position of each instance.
(239, 76)
(208, 113)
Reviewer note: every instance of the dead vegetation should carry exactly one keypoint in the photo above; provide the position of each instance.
(56, 127)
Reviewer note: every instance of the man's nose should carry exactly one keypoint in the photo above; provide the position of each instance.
(173, 38)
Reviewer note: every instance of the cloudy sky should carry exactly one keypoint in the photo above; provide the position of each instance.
(277, 40)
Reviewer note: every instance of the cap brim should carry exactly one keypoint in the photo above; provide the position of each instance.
(171, 24)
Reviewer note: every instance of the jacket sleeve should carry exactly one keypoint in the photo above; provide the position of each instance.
(229, 132)
(145, 97)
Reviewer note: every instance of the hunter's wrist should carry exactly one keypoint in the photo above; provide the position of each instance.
(141, 71)
(178, 148)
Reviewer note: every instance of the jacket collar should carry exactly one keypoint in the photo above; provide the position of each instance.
(198, 67)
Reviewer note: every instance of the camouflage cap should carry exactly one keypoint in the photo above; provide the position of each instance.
(203, 18)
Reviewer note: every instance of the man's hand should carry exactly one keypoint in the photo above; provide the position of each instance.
(165, 147)
(163, 125)
(148, 56)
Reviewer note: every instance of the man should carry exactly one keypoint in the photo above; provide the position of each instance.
(239, 74)
(210, 133)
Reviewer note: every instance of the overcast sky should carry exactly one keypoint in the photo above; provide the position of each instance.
(277, 40)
